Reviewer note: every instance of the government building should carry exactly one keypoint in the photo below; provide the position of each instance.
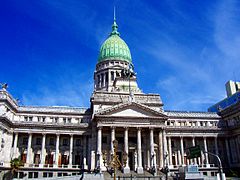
(58, 141)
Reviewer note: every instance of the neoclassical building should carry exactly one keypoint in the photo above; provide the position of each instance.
(55, 141)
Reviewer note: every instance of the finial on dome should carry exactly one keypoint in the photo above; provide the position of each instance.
(114, 26)
(114, 14)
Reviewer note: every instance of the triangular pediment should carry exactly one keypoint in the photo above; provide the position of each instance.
(131, 109)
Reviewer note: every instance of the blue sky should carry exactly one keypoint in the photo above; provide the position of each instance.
(183, 50)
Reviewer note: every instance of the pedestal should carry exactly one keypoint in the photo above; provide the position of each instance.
(140, 170)
(126, 170)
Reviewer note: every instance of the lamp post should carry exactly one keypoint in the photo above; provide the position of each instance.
(220, 164)
(114, 163)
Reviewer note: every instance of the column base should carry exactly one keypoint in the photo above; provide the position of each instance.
(85, 166)
(126, 170)
(103, 168)
(140, 170)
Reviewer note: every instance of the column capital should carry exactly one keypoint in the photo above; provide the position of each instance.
(151, 128)
(139, 128)
(58, 134)
(30, 133)
(44, 134)
(71, 135)
(99, 127)
(113, 127)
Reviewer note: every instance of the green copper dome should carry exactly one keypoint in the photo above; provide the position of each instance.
(114, 47)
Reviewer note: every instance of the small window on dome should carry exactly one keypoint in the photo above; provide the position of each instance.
(112, 75)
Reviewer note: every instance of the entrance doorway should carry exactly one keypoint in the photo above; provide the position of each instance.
(77, 159)
(131, 160)
(49, 159)
(37, 159)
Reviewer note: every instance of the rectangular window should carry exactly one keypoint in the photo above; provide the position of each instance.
(65, 142)
(112, 75)
(30, 118)
(106, 77)
(25, 141)
(25, 118)
(102, 79)
(78, 142)
(51, 141)
(64, 120)
(38, 141)
(69, 120)
(104, 139)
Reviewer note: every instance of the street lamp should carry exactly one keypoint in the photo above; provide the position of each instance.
(114, 163)
(221, 176)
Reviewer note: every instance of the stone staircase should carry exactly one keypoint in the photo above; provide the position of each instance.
(134, 176)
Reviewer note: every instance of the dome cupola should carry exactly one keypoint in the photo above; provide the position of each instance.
(114, 47)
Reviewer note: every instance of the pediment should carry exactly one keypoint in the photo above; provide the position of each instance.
(130, 109)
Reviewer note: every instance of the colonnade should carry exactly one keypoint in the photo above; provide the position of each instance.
(29, 157)
(162, 155)
(139, 162)
(179, 153)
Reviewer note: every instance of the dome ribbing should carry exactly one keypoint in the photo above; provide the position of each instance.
(114, 47)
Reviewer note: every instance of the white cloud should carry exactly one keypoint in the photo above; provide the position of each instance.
(227, 29)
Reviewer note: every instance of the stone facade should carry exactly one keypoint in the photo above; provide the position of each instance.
(53, 141)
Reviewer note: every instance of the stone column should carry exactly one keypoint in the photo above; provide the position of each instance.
(99, 149)
(228, 152)
(193, 144)
(160, 146)
(205, 149)
(152, 152)
(165, 148)
(71, 151)
(126, 168)
(112, 138)
(57, 150)
(43, 150)
(14, 145)
(170, 151)
(179, 157)
(139, 148)
(29, 150)
(182, 150)
(85, 166)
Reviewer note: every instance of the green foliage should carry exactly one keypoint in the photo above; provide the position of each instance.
(15, 164)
